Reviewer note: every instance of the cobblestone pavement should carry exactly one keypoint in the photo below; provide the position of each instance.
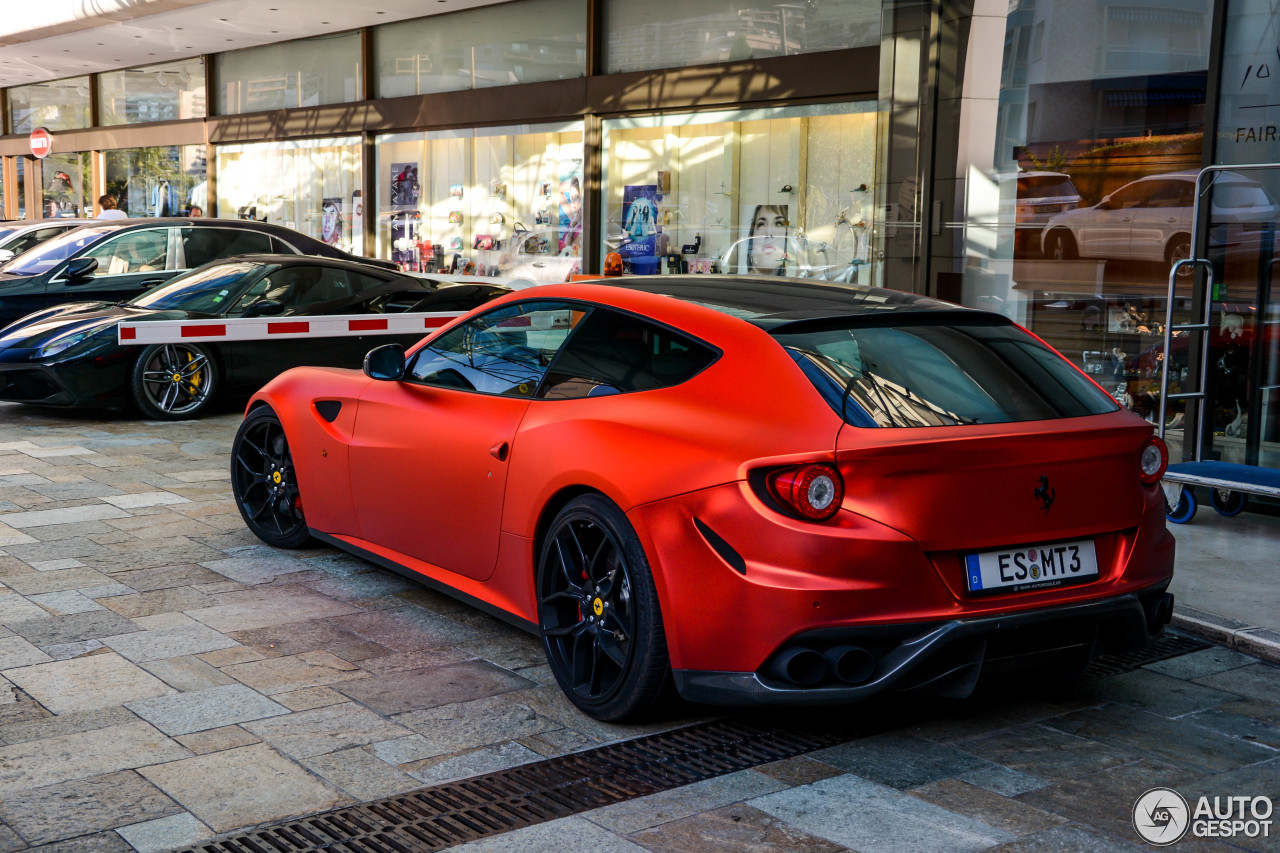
(165, 678)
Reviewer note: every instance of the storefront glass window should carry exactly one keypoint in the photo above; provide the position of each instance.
(310, 185)
(773, 191)
(66, 185)
(57, 105)
(173, 90)
(490, 201)
(165, 181)
(303, 73)
(1245, 345)
(1095, 135)
(522, 42)
(20, 188)
(679, 33)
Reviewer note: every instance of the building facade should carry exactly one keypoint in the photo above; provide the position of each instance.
(1034, 157)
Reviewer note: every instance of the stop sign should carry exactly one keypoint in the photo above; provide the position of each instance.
(41, 142)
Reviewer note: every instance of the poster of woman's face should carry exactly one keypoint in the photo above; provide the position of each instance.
(767, 239)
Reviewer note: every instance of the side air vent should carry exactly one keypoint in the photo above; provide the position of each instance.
(721, 547)
(329, 409)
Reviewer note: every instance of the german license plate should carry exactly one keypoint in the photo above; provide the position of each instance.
(1031, 567)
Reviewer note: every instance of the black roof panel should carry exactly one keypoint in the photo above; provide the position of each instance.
(769, 301)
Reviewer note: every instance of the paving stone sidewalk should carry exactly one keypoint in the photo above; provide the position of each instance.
(166, 679)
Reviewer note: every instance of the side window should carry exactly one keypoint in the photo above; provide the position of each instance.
(294, 287)
(505, 351)
(132, 252)
(201, 245)
(616, 353)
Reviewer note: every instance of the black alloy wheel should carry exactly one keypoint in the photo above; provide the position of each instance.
(262, 480)
(598, 611)
(174, 381)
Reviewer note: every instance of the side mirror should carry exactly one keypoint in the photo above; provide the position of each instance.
(79, 269)
(385, 362)
(264, 308)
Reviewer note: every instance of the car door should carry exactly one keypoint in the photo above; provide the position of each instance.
(1165, 211)
(430, 453)
(1104, 232)
(129, 264)
(251, 364)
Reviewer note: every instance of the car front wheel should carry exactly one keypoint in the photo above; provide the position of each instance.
(263, 481)
(1060, 246)
(171, 382)
(598, 612)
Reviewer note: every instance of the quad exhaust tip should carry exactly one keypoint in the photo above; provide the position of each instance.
(806, 667)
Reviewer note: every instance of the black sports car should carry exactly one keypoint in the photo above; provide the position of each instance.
(70, 356)
(123, 258)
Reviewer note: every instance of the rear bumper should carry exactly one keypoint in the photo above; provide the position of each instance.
(945, 658)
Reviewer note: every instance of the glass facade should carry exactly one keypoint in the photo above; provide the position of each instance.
(310, 185)
(306, 73)
(57, 105)
(679, 33)
(66, 185)
(784, 191)
(166, 181)
(523, 42)
(166, 92)
(491, 201)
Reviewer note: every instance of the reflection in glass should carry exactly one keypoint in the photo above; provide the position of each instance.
(163, 181)
(57, 105)
(302, 73)
(164, 92)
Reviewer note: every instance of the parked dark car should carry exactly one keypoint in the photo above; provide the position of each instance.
(20, 235)
(69, 355)
(116, 260)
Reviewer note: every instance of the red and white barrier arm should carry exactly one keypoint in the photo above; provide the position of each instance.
(272, 328)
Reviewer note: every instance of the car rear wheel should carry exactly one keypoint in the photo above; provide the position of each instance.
(263, 482)
(172, 382)
(598, 611)
(1060, 246)
(1179, 249)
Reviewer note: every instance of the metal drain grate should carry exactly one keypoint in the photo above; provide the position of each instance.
(449, 814)
(1167, 645)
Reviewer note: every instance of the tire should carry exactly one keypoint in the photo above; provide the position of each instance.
(1228, 503)
(1186, 508)
(1178, 249)
(1060, 246)
(599, 616)
(173, 382)
(263, 482)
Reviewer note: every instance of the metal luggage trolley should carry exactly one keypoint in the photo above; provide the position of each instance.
(1230, 482)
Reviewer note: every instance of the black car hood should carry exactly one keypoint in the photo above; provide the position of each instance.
(42, 326)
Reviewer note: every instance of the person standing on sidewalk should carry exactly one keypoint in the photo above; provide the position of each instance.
(107, 208)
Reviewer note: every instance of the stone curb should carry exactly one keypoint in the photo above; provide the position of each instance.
(1249, 639)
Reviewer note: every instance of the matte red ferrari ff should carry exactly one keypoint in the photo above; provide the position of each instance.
(742, 489)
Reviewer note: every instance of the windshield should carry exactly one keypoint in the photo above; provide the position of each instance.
(6, 230)
(205, 291)
(53, 252)
(929, 373)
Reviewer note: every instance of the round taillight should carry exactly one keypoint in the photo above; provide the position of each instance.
(813, 491)
(1153, 461)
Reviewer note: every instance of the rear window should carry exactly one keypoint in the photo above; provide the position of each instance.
(924, 373)
(1046, 187)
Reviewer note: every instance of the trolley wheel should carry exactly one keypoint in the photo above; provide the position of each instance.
(1227, 502)
(1186, 508)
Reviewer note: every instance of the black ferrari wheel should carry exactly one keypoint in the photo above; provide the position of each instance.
(174, 381)
(599, 615)
(262, 480)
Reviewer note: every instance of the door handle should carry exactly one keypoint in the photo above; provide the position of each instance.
(1172, 219)
(1127, 219)
(499, 451)
(151, 282)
